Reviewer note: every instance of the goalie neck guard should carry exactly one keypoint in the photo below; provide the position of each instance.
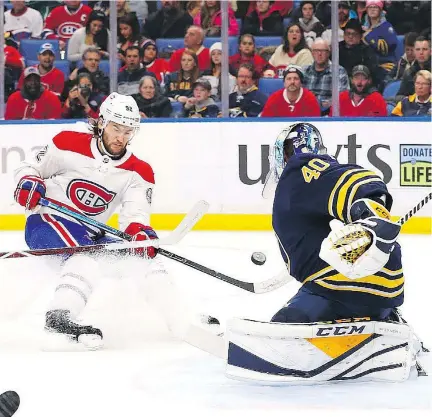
(298, 138)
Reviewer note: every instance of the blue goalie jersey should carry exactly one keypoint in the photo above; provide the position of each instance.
(313, 190)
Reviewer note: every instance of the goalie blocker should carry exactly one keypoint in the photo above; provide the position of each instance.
(357, 349)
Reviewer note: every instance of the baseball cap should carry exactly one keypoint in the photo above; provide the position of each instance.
(31, 71)
(361, 69)
(46, 47)
(293, 68)
(203, 83)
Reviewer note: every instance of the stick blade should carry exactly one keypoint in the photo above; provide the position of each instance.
(9, 403)
(273, 283)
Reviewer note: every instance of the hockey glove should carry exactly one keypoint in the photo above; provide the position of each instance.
(140, 232)
(361, 248)
(29, 191)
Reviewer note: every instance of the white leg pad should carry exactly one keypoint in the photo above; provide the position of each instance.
(279, 353)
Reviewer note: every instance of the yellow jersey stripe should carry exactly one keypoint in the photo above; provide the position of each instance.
(337, 185)
(342, 195)
(319, 273)
(353, 193)
(361, 289)
(390, 272)
(371, 279)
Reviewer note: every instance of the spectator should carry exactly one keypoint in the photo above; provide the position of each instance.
(247, 101)
(213, 74)
(344, 15)
(123, 7)
(22, 20)
(422, 53)
(178, 85)
(419, 103)
(158, 66)
(82, 102)
(353, 52)
(150, 101)
(247, 54)
(193, 8)
(245, 8)
(14, 62)
(32, 101)
(318, 76)
(293, 50)
(381, 37)
(64, 20)
(100, 82)
(311, 26)
(210, 19)
(168, 22)
(293, 100)
(94, 34)
(128, 80)
(200, 105)
(263, 21)
(407, 59)
(128, 34)
(360, 9)
(193, 41)
(52, 78)
(363, 99)
(404, 15)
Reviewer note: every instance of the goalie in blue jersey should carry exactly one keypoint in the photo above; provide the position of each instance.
(336, 236)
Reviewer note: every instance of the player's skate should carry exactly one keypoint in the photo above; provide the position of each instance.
(59, 321)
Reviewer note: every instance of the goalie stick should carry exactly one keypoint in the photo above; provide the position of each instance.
(191, 218)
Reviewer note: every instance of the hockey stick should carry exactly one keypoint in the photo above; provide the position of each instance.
(191, 218)
(414, 210)
(259, 287)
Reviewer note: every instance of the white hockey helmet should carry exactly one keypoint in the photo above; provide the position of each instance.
(120, 109)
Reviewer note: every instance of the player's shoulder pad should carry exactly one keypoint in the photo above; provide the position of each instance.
(143, 169)
(74, 142)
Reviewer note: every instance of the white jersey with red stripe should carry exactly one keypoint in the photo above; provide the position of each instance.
(76, 174)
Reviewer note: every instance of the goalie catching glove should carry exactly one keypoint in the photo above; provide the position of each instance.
(139, 232)
(363, 247)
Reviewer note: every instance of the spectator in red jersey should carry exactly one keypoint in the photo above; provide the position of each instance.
(363, 99)
(293, 100)
(82, 102)
(263, 21)
(32, 101)
(14, 62)
(128, 34)
(283, 7)
(94, 34)
(214, 73)
(247, 54)
(168, 22)
(193, 41)
(64, 20)
(178, 85)
(210, 19)
(293, 50)
(52, 78)
(158, 66)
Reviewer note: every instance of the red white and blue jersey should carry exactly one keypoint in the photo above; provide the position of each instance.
(61, 23)
(77, 175)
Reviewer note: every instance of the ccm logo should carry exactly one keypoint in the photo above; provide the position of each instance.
(340, 330)
(92, 199)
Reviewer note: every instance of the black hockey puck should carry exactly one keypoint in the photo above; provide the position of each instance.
(258, 258)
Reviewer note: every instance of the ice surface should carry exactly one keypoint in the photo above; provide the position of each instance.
(144, 371)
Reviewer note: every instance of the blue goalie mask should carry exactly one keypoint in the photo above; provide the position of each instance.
(299, 138)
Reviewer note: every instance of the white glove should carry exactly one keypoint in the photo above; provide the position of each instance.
(359, 249)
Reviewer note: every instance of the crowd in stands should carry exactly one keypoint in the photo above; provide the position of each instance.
(169, 56)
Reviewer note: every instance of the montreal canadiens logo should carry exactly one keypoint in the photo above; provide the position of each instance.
(67, 29)
(90, 198)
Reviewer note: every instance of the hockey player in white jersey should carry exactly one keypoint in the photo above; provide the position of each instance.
(94, 174)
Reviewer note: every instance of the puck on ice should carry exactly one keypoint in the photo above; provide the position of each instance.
(258, 258)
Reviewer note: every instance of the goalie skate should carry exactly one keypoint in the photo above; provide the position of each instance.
(58, 321)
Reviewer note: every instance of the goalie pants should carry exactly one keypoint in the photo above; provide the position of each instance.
(51, 231)
(307, 307)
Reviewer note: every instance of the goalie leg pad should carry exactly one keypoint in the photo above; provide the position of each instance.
(280, 353)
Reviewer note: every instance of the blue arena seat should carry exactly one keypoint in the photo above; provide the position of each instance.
(286, 22)
(400, 50)
(391, 89)
(169, 45)
(270, 85)
(62, 65)
(261, 41)
(239, 22)
(29, 48)
(390, 107)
